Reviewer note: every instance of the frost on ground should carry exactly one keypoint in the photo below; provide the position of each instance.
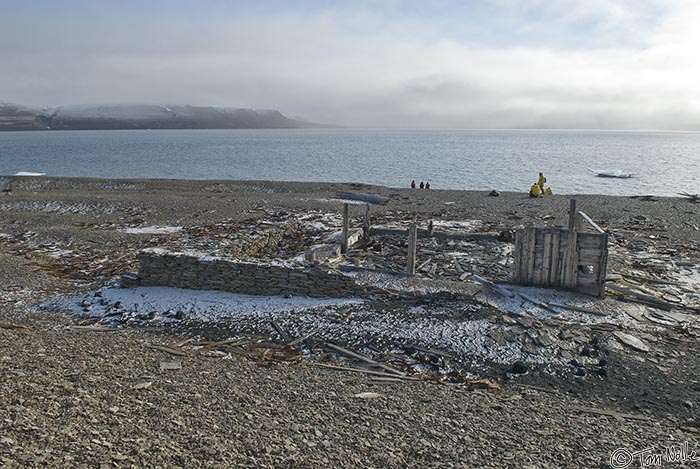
(153, 230)
(453, 327)
(56, 207)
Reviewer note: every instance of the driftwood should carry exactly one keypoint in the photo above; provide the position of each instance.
(14, 327)
(365, 359)
(301, 339)
(491, 286)
(611, 413)
(170, 350)
(578, 308)
(280, 331)
(650, 300)
(367, 372)
(590, 221)
(542, 305)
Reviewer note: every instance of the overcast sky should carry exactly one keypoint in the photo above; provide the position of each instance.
(618, 64)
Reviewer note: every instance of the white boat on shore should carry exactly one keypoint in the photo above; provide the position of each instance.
(614, 173)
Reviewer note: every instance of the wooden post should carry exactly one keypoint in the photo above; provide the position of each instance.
(572, 215)
(430, 229)
(556, 262)
(346, 229)
(603, 267)
(365, 225)
(570, 263)
(546, 259)
(412, 241)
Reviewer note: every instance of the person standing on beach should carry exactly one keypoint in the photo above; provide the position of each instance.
(422, 185)
(413, 184)
(540, 182)
(427, 185)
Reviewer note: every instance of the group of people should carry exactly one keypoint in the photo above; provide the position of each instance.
(538, 189)
(422, 185)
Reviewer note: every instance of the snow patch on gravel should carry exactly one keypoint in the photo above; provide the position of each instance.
(56, 207)
(153, 230)
(205, 305)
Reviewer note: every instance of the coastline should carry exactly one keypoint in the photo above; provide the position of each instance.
(79, 396)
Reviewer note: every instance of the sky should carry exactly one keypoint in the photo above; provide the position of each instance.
(585, 64)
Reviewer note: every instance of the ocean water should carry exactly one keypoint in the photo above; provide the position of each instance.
(663, 163)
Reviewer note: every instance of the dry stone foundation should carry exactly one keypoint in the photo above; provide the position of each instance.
(198, 271)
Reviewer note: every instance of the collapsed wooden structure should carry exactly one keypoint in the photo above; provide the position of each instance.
(567, 258)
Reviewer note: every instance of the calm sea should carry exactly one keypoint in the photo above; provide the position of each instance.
(664, 163)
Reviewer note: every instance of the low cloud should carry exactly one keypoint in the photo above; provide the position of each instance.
(330, 66)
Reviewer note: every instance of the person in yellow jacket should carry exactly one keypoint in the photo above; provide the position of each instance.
(535, 190)
(548, 191)
(540, 182)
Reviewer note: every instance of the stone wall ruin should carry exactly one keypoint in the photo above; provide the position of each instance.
(198, 271)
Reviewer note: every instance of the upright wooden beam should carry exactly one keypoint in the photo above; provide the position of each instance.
(603, 267)
(412, 241)
(572, 215)
(346, 229)
(365, 225)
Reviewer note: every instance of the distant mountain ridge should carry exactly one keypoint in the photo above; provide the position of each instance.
(142, 116)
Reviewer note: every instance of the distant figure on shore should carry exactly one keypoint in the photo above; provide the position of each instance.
(422, 185)
(535, 190)
(427, 185)
(494, 193)
(413, 184)
(548, 191)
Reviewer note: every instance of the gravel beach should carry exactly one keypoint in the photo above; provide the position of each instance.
(72, 396)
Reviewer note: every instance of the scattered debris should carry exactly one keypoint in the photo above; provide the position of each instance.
(170, 366)
(143, 385)
(612, 413)
(632, 341)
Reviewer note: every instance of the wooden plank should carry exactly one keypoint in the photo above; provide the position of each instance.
(546, 259)
(589, 257)
(346, 229)
(366, 224)
(573, 261)
(170, 350)
(537, 255)
(532, 300)
(283, 334)
(590, 240)
(526, 257)
(360, 357)
(530, 249)
(612, 413)
(578, 308)
(517, 256)
(553, 279)
(603, 268)
(588, 220)
(646, 298)
(572, 215)
(412, 241)
(366, 372)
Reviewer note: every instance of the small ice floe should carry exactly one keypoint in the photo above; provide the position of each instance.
(153, 230)
(28, 173)
(611, 173)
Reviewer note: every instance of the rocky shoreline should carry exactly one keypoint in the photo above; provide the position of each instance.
(103, 396)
